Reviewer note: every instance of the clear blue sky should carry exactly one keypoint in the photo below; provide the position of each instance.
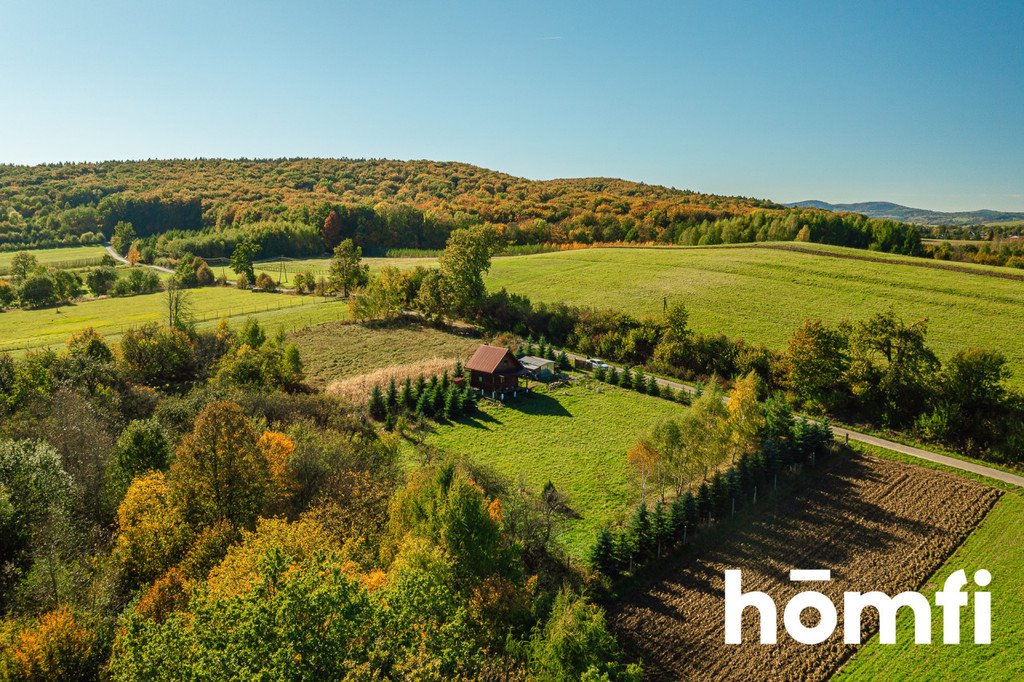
(920, 103)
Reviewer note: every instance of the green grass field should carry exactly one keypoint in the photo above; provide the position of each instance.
(284, 270)
(996, 546)
(20, 329)
(342, 350)
(575, 437)
(72, 256)
(763, 294)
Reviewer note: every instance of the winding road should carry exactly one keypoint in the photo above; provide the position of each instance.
(124, 261)
(844, 433)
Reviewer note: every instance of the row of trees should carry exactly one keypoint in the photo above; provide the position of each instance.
(1007, 252)
(440, 397)
(764, 442)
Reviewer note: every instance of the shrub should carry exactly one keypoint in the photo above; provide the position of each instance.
(56, 647)
(101, 280)
(265, 282)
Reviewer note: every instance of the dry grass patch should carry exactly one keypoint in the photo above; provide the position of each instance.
(357, 388)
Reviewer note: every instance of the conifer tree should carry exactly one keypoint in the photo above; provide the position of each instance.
(391, 397)
(602, 556)
(406, 398)
(377, 406)
(661, 528)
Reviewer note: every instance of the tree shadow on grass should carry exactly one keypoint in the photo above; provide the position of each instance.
(478, 420)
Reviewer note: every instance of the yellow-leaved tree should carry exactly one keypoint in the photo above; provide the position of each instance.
(746, 417)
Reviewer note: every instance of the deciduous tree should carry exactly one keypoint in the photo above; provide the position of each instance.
(218, 472)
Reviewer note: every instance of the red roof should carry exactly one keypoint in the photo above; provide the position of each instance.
(489, 359)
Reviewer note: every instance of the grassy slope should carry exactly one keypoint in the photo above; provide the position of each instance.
(110, 316)
(996, 546)
(575, 437)
(340, 350)
(764, 294)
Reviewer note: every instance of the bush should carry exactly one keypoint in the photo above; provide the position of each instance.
(38, 290)
(56, 647)
(265, 282)
(575, 644)
(101, 280)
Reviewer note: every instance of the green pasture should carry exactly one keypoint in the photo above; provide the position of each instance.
(763, 294)
(284, 270)
(575, 437)
(71, 257)
(995, 546)
(21, 329)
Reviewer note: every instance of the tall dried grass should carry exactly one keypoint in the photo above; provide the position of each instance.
(357, 388)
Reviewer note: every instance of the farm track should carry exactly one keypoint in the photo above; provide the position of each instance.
(919, 453)
(877, 524)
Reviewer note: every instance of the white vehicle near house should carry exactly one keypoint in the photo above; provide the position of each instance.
(598, 363)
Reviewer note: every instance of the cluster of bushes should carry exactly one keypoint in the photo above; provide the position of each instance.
(786, 443)
(1009, 253)
(440, 398)
(665, 345)
(34, 286)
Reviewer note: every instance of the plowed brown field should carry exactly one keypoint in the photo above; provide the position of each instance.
(877, 524)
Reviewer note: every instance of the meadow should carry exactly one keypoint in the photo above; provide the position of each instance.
(996, 546)
(70, 257)
(576, 437)
(340, 350)
(283, 270)
(32, 329)
(763, 294)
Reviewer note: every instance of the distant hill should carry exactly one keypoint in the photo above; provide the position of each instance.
(66, 204)
(919, 216)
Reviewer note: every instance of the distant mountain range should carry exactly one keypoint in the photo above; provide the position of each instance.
(920, 216)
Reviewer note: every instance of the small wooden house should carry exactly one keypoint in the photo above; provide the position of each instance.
(494, 371)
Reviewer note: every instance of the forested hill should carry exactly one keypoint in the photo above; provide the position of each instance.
(303, 207)
(65, 200)
(919, 216)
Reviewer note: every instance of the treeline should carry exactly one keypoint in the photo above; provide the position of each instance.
(283, 205)
(65, 223)
(181, 506)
